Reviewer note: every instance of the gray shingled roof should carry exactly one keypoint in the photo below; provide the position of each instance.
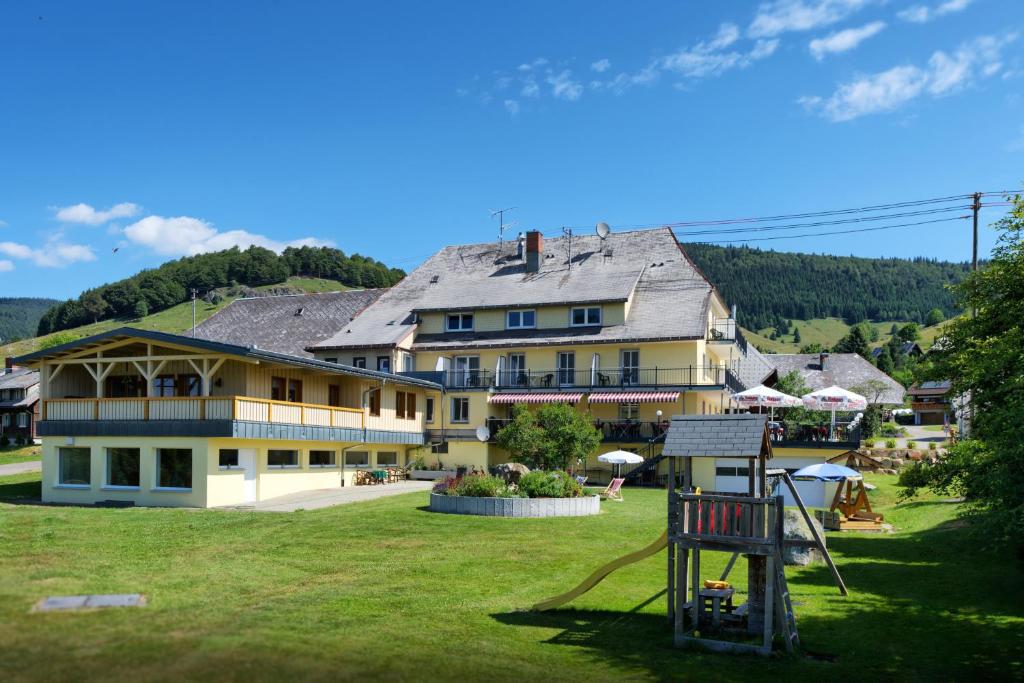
(753, 368)
(20, 378)
(723, 436)
(670, 296)
(285, 324)
(847, 370)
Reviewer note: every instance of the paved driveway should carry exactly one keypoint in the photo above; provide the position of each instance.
(323, 498)
(21, 467)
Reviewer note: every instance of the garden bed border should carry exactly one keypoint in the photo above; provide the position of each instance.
(516, 507)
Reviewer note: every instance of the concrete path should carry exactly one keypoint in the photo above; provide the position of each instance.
(322, 498)
(21, 467)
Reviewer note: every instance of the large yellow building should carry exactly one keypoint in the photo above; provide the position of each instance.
(624, 327)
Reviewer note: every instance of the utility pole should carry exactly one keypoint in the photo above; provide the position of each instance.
(500, 213)
(194, 293)
(976, 208)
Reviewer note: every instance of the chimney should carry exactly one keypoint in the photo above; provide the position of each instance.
(823, 361)
(534, 251)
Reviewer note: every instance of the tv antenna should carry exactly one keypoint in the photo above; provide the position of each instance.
(502, 225)
(567, 233)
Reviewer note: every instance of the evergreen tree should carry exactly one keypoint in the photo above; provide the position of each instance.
(854, 342)
(796, 335)
(885, 362)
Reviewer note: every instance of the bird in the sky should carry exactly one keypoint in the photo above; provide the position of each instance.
(115, 250)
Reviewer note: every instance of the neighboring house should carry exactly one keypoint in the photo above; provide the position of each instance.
(797, 447)
(626, 328)
(906, 349)
(150, 418)
(930, 402)
(847, 370)
(285, 324)
(19, 404)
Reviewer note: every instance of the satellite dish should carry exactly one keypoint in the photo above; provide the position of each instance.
(603, 230)
(483, 433)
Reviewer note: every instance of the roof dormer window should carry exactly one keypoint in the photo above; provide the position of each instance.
(458, 322)
(585, 316)
(521, 320)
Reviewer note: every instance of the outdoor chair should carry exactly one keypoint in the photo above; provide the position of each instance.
(548, 379)
(603, 379)
(613, 490)
(581, 480)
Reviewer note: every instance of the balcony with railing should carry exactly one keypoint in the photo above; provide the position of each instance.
(703, 376)
(612, 431)
(727, 331)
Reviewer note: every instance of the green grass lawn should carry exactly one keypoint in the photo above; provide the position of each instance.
(19, 454)
(828, 331)
(386, 589)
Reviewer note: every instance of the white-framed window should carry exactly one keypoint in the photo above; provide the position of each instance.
(323, 459)
(384, 363)
(227, 459)
(467, 371)
(630, 366)
(282, 458)
(387, 458)
(174, 469)
(629, 411)
(74, 467)
(6, 420)
(587, 315)
(23, 420)
(359, 362)
(357, 459)
(458, 322)
(408, 362)
(429, 410)
(123, 468)
(460, 409)
(521, 320)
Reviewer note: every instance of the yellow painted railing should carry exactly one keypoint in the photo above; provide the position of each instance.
(202, 408)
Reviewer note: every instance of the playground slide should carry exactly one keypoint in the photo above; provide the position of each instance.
(598, 575)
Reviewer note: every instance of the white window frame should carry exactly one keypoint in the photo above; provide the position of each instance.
(571, 369)
(359, 362)
(465, 418)
(384, 360)
(106, 472)
(6, 420)
(331, 465)
(629, 411)
(586, 316)
(462, 322)
(298, 459)
(60, 456)
(156, 473)
(365, 463)
(22, 420)
(520, 313)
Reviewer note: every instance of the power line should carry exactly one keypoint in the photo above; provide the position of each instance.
(844, 232)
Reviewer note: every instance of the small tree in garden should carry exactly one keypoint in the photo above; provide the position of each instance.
(141, 309)
(552, 438)
(872, 390)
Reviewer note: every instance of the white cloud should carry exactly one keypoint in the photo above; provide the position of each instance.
(888, 90)
(6, 266)
(535, 64)
(920, 14)
(601, 65)
(56, 253)
(563, 87)
(187, 236)
(782, 16)
(530, 88)
(512, 107)
(845, 40)
(83, 213)
(708, 58)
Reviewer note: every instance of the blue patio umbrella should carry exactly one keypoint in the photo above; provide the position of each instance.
(826, 471)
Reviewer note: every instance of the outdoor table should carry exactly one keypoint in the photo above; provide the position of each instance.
(713, 597)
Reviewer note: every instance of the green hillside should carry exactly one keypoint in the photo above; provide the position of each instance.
(769, 285)
(176, 319)
(20, 316)
(828, 331)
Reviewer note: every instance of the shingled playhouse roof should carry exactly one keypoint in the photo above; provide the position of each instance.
(669, 296)
(725, 436)
(286, 324)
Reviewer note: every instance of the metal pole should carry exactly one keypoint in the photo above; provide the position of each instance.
(194, 292)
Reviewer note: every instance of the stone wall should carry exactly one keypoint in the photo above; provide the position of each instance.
(516, 507)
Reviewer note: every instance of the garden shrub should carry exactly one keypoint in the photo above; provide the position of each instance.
(932, 446)
(890, 443)
(5, 441)
(915, 476)
(889, 429)
(869, 443)
(911, 445)
(549, 485)
(477, 486)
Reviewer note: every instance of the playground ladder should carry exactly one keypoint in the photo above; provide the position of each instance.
(784, 606)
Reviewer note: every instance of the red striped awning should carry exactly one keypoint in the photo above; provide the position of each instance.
(635, 397)
(535, 398)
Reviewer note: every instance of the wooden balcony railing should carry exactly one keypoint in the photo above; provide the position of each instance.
(202, 408)
(728, 519)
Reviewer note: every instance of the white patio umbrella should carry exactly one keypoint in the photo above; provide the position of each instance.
(834, 398)
(619, 458)
(761, 396)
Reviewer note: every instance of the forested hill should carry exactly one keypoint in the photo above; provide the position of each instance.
(767, 285)
(154, 290)
(19, 317)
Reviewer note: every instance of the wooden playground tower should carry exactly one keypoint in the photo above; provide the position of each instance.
(748, 525)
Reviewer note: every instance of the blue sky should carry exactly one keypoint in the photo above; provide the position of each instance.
(164, 129)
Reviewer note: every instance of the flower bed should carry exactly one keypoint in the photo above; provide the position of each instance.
(516, 507)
